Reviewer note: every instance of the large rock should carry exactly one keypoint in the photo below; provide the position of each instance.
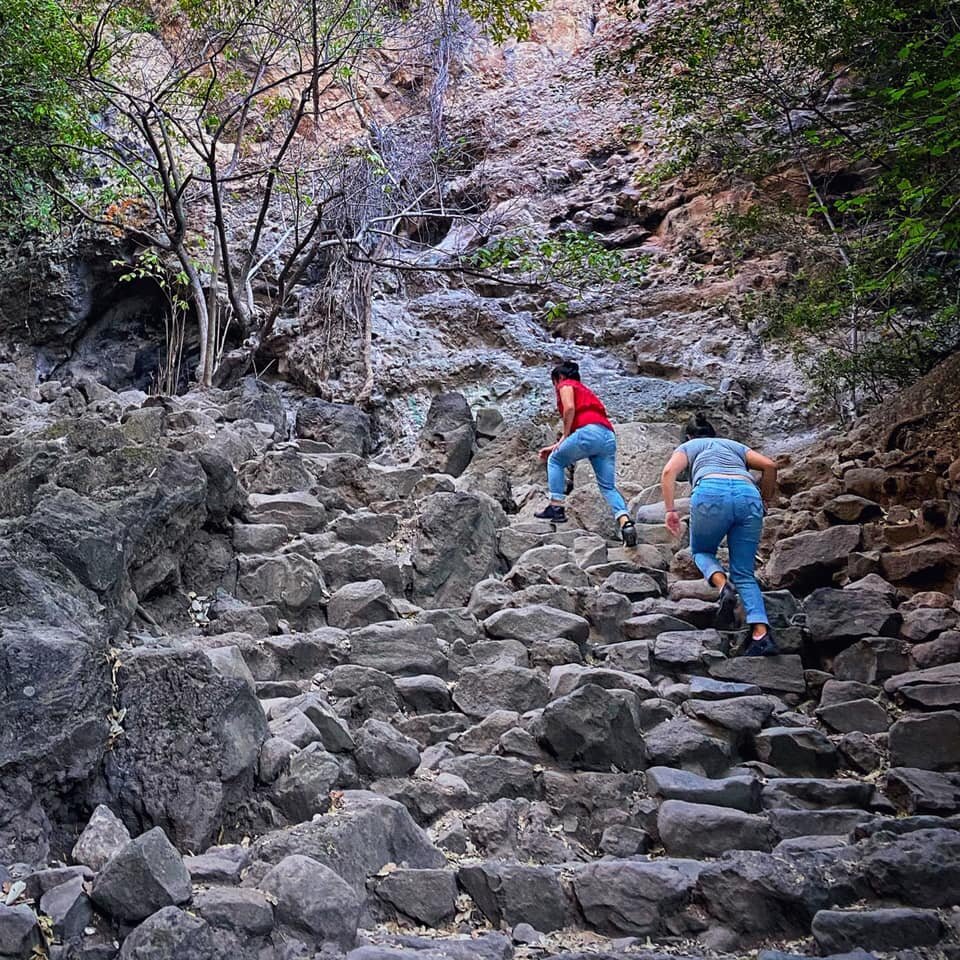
(382, 751)
(740, 715)
(313, 902)
(426, 896)
(103, 836)
(934, 561)
(344, 427)
(297, 512)
(400, 648)
(631, 898)
(146, 875)
(292, 581)
(689, 745)
(448, 438)
(188, 756)
(809, 559)
(537, 622)
(840, 931)
(245, 912)
(20, 935)
(595, 728)
(364, 834)
(303, 789)
(836, 618)
(515, 893)
(923, 791)
(919, 869)
(737, 793)
(171, 932)
(68, 906)
(481, 690)
(360, 604)
(699, 830)
(455, 547)
(930, 742)
(797, 751)
(764, 895)
(781, 674)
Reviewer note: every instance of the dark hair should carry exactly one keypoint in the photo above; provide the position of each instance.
(568, 370)
(698, 426)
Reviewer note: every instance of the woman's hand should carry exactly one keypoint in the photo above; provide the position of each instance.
(672, 522)
(546, 451)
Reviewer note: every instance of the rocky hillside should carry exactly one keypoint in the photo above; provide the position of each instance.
(268, 694)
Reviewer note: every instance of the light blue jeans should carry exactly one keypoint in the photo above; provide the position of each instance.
(598, 445)
(733, 509)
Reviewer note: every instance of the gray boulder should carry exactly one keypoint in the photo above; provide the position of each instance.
(916, 791)
(400, 648)
(19, 932)
(700, 830)
(929, 742)
(425, 896)
(382, 751)
(631, 898)
(809, 559)
(455, 547)
(737, 793)
(247, 913)
(170, 932)
(689, 745)
(103, 836)
(364, 834)
(448, 438)
(839, 931)
(313, 902)
(344, 427)
(68, 906)
(298, 512)
(836, 618)
(481, 690)
(797, 751)
(509, 893)
(360, 604)
(537, 622)
(145, 876)
(303, 789)
(594, 728)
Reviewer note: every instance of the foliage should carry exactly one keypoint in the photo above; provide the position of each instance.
(175, 287)
(569, 261)
(863, 100)
(39, 54)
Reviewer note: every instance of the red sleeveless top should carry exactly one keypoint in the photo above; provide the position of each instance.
(588, 407)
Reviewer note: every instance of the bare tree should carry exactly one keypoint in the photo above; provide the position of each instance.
(236, 139)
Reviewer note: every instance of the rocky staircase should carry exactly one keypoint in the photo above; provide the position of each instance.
(396, 722)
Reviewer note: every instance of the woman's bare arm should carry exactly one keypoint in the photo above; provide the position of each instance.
(768, 480)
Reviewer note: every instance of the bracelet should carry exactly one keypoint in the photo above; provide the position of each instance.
(672, 511)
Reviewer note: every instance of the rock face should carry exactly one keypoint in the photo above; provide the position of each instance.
(324, 693)
(448, 438)
(455, 547)
(146, 875)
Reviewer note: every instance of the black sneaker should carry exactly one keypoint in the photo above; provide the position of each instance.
(552, 513)
(764, 646)
(628, 533)
(726, 615)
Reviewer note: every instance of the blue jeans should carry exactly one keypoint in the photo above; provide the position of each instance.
(733, 509)
(598, 445)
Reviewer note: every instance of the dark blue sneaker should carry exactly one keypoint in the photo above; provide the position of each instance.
(764, 646)
(553, 513)
(727, 612)
(628, 534)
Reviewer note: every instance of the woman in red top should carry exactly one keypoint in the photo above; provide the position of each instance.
(587, 435)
